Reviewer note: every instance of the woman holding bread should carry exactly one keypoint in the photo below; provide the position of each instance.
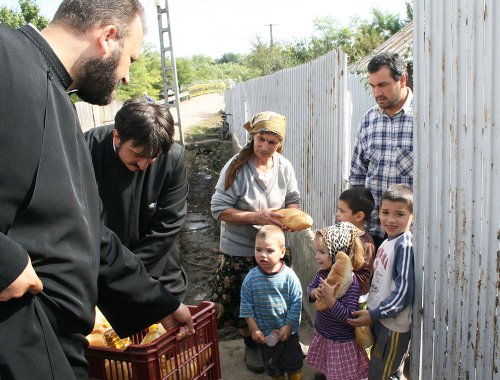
(253, 186)
(333, 350)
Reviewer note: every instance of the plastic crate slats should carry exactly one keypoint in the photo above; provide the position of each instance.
(195, 357)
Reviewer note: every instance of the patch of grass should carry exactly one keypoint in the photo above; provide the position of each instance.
(195, 134)
(207, 129)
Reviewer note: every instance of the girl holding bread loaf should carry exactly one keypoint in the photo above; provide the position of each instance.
(335, 289)
(252, 187)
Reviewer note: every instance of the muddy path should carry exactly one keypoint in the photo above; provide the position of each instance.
(199, 238)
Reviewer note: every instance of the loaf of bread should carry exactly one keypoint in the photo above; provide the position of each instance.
(340, 273)
(189, 370)
(117, 370)
(364, 336)
(295, 219)
(96, 339)
(101, 324)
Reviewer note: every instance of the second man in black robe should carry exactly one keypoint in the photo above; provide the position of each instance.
(141, 175)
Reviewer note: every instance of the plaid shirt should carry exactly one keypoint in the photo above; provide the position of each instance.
(383, 155)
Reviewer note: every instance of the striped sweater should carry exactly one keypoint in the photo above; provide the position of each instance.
(331, 323)
(273, 300)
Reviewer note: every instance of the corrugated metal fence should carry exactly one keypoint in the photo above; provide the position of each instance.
(456, 330)
(457, 141)
(317, 99)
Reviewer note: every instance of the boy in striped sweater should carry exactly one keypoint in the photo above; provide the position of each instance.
(271, 303)
(391, 291)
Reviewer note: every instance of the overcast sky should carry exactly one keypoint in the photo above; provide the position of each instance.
(215, 27)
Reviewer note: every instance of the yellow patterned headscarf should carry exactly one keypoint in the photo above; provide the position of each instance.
(267, 122)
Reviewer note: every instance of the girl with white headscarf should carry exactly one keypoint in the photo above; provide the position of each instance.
(333, 350)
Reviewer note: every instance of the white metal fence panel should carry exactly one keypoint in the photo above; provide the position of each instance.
(318, 140)
(359, 101)
(457, 177)
(235, 104)
(91, 116)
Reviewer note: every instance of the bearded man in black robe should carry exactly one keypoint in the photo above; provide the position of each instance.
(57, 258)
(141, 174)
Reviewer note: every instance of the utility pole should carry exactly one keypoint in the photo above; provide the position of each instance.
(169, 69)
(271, 34)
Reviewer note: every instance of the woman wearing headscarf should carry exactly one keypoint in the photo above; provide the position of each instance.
(252, 186)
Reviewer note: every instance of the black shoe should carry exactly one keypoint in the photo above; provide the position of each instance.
(253, 360)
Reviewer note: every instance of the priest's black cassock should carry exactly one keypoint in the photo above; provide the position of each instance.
(146, 208)
(50, 210)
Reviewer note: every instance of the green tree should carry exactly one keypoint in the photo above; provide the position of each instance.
(266, 60)
(330, 34)
(185, 72)
(30, 13)
(145, 76)
(298, 52)
(230, 58)
(357, 39)
(409, 12)
(386, 24)
(203, 67)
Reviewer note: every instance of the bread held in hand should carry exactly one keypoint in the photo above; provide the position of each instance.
(364, 336)
(96, 338)
(295, 219)
(340, 273)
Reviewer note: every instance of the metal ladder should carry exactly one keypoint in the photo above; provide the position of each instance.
(169, 69)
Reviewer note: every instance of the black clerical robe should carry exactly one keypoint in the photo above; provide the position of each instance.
(146, 209)
(50, 210)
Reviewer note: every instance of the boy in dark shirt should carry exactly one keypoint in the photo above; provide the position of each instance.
(355, 206)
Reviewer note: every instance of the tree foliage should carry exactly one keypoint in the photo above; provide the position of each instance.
(29, 13)
(145, 76)
(357, 39)
(230, 58)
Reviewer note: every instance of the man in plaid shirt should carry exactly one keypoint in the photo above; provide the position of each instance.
(383, 154)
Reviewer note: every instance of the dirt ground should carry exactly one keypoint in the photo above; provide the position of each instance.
(199, 238)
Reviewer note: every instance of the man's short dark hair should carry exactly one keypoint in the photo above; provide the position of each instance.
(83, 15)
(399, 193)
(147, 125)
(359, 199)
(390, 60)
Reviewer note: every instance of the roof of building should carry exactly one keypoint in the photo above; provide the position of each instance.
(401, 43)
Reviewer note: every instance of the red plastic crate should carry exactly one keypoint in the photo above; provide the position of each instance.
(192, 358)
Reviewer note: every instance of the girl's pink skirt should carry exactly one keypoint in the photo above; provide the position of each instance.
(337, 360)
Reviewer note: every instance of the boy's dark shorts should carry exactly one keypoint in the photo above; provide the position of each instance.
(282, 358)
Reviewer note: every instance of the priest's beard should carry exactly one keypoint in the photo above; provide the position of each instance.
(97, 79)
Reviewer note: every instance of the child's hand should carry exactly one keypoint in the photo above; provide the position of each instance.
(258, 336)
(363, 318)
(314, 294)
(327, 291)
(284, 332)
